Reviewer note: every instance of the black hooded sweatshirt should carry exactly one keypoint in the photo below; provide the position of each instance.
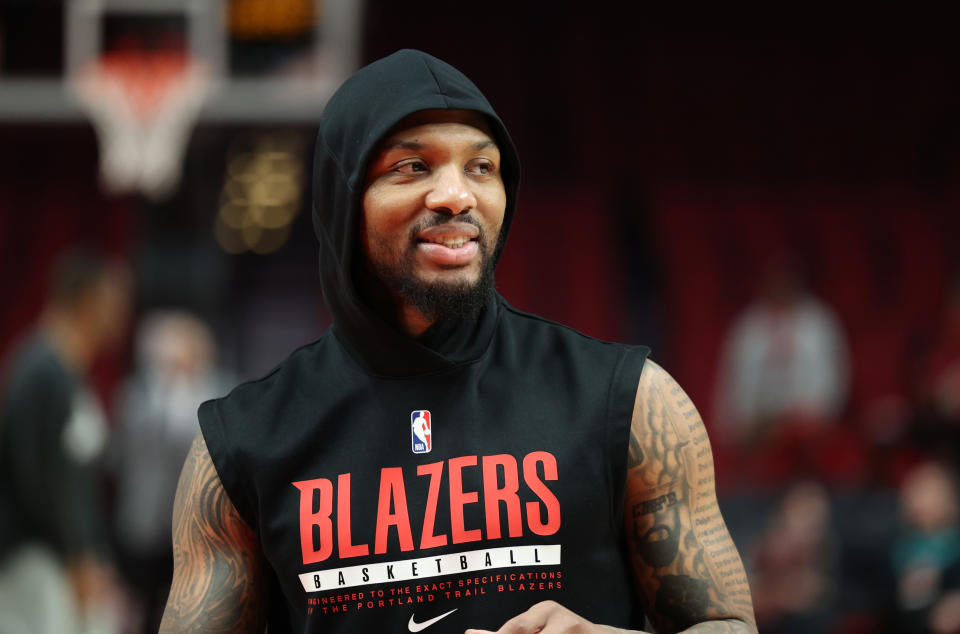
(431, 484)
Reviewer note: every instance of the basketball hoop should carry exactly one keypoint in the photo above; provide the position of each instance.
(143, 104)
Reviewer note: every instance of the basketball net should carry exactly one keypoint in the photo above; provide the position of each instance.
(143, 105)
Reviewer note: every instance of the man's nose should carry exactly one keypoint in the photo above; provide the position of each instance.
(451, 192)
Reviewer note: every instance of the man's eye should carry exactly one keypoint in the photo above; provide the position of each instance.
(412, 167)
(480, 168)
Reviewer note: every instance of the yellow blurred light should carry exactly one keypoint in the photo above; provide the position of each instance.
(241, 165)
(281, 161)
(273, 189)
(262, 191)
(236, 192)
(251, 235)
(274, 216)
(227, 237)
(236, 216)
(271, 240)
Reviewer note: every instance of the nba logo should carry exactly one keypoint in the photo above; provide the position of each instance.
(420, 428)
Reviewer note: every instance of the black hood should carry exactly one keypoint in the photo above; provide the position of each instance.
(365, 108)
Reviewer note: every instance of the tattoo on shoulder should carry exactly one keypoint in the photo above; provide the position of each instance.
(217, 565)
(686, 564)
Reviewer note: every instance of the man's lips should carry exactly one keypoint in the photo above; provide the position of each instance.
(452, 244)
(449, 234)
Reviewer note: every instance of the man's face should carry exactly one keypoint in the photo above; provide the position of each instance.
(108, 306)
(432, 211)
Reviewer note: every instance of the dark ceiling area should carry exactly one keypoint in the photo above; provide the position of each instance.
(634, 92)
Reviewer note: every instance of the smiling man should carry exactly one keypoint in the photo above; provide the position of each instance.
(426, 265)
(440, 461)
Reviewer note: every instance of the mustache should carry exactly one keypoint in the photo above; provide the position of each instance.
(439, 219)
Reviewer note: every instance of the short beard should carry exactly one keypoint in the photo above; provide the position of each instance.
(442, 302)
(438, 301)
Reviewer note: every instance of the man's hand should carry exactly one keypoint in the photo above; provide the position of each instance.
(549, 617)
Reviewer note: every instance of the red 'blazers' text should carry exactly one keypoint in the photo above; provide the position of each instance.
(321, 499)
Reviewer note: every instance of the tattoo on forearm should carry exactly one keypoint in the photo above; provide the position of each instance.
(216, 561)
(686, 563)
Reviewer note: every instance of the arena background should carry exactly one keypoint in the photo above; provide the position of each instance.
(670, 150)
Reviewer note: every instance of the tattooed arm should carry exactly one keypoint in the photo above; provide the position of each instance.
(217, 567)
(688, 570)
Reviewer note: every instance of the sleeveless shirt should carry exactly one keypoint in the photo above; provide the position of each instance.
(445, 501)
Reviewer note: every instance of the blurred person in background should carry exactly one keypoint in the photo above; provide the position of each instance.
(783, 377)
(55, 571)
(925, 560)
(175, 371)
(794, 566)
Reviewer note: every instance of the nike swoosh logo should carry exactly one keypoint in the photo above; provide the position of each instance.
(413, 626)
